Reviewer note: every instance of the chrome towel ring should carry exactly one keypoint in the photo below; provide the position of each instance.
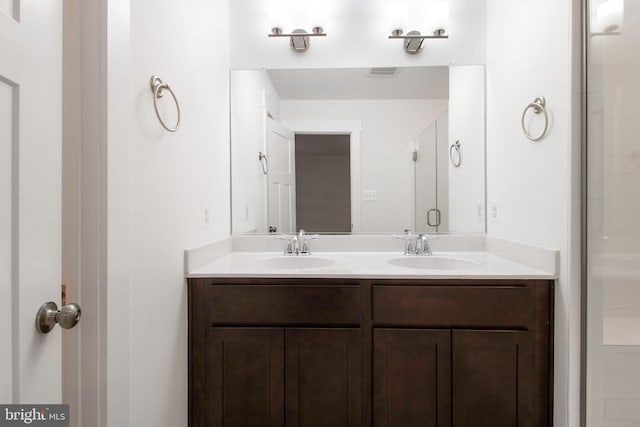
(538, 106)
(263, 162)
(455, 154)
(158, 87)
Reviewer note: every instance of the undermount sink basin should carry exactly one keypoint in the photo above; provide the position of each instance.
(429, 262)
(293, 262)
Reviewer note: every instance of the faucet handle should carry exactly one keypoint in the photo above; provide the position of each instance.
(408, 248)
(291, 246)
(302, 241)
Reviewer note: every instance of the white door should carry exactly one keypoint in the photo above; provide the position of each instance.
(281, 193)
(30, 197)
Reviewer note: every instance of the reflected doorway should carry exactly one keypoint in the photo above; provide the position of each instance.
(323, 182)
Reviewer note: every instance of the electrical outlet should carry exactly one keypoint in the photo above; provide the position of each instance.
(206, 212)
(479, 210)
(494, 211)
(370, 195)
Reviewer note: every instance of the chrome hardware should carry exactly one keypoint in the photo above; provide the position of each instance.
(413, 41)
(416, 245)
(408, 247)
(455, 154)
(48, 315)
(438, 218)
(273, 229)
(303, 238)
(299, 38)
(158, 87)
(539, 107)
(297, 245)
(423, 245)
(264, 162)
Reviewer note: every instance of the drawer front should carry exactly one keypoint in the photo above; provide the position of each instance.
(284, 305)
(453, 306)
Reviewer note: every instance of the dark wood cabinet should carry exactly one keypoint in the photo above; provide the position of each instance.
(245, 377)
(344, 352)
(493, 381)
(411, 378)
(322, 370)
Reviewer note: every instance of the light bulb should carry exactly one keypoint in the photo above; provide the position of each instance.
(439, 17)
(276, 15)
(398, 16)
(317, 14)
(610, 15)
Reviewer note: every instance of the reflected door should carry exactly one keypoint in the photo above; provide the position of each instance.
(281, 192)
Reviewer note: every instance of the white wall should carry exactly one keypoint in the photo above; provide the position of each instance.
(533, 183)
(357, 34)
(251, 92)
(467, 125)
(388, 127)
(185, 42)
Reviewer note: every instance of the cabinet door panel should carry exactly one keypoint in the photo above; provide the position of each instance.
(493, 379)
(245, 377)
(323, 377)
(411, 378)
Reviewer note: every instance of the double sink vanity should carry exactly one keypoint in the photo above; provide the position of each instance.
(358, 330)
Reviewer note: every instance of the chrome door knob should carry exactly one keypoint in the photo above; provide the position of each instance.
(48, 315)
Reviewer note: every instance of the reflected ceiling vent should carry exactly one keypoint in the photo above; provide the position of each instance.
(383, 71)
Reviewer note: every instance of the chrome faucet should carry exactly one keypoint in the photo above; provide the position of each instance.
(298, 244)
(416, 245)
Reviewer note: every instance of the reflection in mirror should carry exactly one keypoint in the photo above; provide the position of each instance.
(358, 150)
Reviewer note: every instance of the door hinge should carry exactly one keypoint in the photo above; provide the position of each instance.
(414, 156)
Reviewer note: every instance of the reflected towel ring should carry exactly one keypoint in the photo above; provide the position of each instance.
(455, 154)
(158, 87)
(539, 106)
(263, 162)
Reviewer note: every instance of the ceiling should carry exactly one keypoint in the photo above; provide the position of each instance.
(358, 83)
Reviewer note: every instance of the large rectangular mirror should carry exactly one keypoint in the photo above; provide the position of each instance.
(358, 150)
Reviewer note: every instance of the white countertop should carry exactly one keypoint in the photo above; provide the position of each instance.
(367, 265)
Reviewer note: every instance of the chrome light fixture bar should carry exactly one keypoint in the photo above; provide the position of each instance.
(299, 38)
(413, 41)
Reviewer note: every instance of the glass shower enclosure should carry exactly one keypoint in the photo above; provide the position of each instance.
(613, 213)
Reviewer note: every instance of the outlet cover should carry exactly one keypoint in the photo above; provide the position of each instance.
(370, 195)
(495, 208)
(206, 215)
(479, 210)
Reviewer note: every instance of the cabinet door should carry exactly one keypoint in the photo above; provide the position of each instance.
(323, 377)
(411, 378)
(493, 379)
(245, 377)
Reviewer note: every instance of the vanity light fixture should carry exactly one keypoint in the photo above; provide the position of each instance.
(413, 41)
(299, 38)
(437, 18)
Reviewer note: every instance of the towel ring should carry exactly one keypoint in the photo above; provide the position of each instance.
(539, 106)
(263, 162)
(455, 148)
(158, 87)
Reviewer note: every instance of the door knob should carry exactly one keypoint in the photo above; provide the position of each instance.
(48, 315)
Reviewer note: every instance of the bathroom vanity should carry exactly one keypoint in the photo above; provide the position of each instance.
(370, 345)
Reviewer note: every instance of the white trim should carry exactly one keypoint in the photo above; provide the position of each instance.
(98, 50)
(354, 129)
